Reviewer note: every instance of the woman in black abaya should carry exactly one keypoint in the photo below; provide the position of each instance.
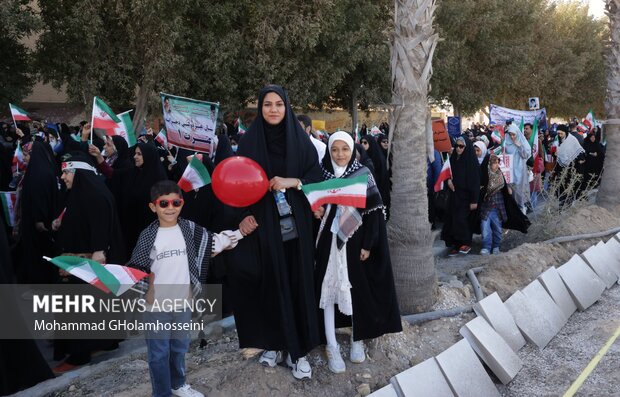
(89, 229)
(464, 190)
(272, 280)
(595, 158)
(131, 188)
(21, 363)
(354, 272)
(381, 172)
(40, 205)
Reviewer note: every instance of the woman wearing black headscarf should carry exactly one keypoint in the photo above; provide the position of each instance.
(272, 279)
(463, 197)
(595, 157)
(21, 363)
(363, 158)
(40, 205)
(353, 266)
(131, 188)
(120, 156)
(381, 172)
(89, 229)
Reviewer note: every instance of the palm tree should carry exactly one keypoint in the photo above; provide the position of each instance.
(413, 45)
(609, 191)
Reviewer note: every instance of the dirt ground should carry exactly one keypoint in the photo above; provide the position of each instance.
(221, 370)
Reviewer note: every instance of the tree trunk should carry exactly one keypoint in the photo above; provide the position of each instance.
(141, 108)
(410, 235)
(609, 191)
(353, 110)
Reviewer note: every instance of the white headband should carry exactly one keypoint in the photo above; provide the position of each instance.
(78, 165)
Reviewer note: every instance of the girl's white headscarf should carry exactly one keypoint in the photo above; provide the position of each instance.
(483, 149)
(340, 136)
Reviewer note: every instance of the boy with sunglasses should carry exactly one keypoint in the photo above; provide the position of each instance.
(176, 252)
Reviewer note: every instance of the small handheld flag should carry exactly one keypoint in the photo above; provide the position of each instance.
(195, 175)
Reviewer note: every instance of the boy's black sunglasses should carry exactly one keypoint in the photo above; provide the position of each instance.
(166, 203)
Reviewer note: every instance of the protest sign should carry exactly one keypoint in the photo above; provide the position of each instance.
(190, 123)
(454, 126)
(505, 164)
(440, 137)
(318, 125)
(499, 115)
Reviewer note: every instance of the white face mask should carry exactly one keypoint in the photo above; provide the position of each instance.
(234, 148)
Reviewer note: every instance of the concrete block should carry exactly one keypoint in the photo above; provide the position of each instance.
(423, 380)
(466, 375)
(594, 258)
(492, 349)
(609, 257)
(537, 294)
(613, 248)
(531, 319)
(387, 391)
(497, 315)
(555, 287)
(584, 286)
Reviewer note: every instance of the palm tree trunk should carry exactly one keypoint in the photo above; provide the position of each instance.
(609, 191)
(409, 230)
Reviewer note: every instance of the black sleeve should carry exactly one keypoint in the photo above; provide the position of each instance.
(370, 224)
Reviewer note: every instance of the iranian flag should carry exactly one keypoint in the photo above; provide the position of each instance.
(162, 138)
(343, 191)
(497, 135)
(125, 128)
(8, 200)
(589, 121)
(104, 120)
(555, 144)
(18, 113)
(18, 159)
(548, 156)
(444, 175)
(242, 128)
(109, 278)
(533, 141)
(195, 176)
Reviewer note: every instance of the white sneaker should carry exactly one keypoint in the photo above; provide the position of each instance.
(187, 391)
(270, 358)
(335, 362)
(484, 251)
(496, 251)
(357, 354)
(301, 369)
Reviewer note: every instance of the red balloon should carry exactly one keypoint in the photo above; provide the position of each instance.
(239, 181)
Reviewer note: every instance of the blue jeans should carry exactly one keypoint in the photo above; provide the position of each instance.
(491, 231)
(166, 352)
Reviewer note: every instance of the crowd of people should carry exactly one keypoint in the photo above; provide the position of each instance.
(112, 203)
(288, 291)
(564, 160)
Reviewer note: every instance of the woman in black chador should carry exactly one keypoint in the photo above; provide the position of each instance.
(353, 266)
(463, 197)
(40, 205)
(131, 188)
(89, 229)
(271, 273)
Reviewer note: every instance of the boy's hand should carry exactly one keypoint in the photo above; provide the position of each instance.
(99, 256)
(248, 225)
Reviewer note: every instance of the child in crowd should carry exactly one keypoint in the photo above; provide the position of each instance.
(493, 206)
(176, 252)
